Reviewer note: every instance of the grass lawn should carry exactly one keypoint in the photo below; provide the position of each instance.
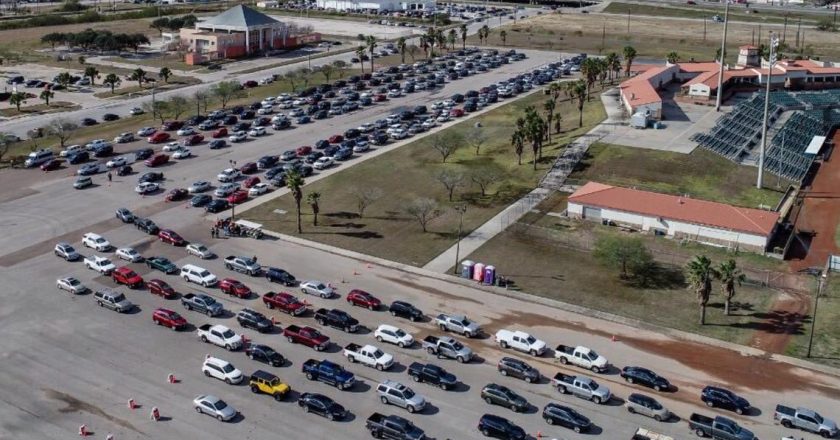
(574, 276)
(129, 90)
(826, 346)
(701, 174)
(54, 107)
(736, 13)
(25, 40)
(170, 61)
(409, 172)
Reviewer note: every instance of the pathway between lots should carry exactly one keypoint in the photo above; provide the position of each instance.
(554, 180)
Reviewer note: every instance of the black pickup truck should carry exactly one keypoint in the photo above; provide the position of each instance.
(432, 374)
(393, 427)
(337, 319)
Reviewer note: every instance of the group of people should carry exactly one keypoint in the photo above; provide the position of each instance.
(224, 226)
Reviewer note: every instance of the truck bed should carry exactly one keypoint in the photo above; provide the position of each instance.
(353, 347)
(700, 420)
(205, 327)
(292, 328)
(375, 419)
(786, 410)
(564, 378)
(433, 340)
(564, 349)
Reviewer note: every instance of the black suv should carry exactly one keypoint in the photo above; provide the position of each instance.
(338, 319)
(495, 394)
(555, 414)
(513, 367)
(645, 377)
(146, 225)
(405, 310)
(723, 398)
(252, 319)
(264, 353)
(321, 405)
(500, 427)
(150, 177)
(276, 275)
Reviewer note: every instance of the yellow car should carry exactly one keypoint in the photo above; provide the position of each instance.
(267, 383)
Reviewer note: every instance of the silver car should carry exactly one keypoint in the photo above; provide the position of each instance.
(213, 406)
(395, 393)
(648, 406)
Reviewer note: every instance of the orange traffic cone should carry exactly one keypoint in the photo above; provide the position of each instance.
(171, 378)
(131, 404)
(83, 431)
(614, 339)
(539, 434)
(155, 415)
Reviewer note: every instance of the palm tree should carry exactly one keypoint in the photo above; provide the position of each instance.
(464, 36)
(16, 99)
(672, 58)
(424, 44)
(486, 31)
(313, 198)
(165, 73)
(440, 38)
(360, 54)
(113, 80)
(613, 63)
(294, 181)
(401, 46)
(503, 36)
(589, 70)
(729, 274)
(517, 139)
(45, 95)
(138, 75)
(370, 41)
(549, 106)
(577, 91)
(65, 78)
(451, 37)
(91, 72)
(534, 132)
(629, 56)
(700, 274)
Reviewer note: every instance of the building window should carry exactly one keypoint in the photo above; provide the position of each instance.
(212, 43)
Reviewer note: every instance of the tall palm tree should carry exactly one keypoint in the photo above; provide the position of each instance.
(534, 132)
(629, 56)
(700, 274)
(360, 54)
(577, 91)
(401, 46)
(517, 139)
(294, 181)
(112, 80)
(424, 44)
(613, 63)
(370, 41)
(440, 38)
(91, 72)
(46, 95)
(312, 199)
(138, 75)
(729, 274)
(463, 36)
(16, 99)
(549, 106)
(503, 36)
(485, 30)
(165, 73)
(451, 37)
(589, 70)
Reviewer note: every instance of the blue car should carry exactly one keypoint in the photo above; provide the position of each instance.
(200, 200)
(78, 158)
(343, 154)
(303, 120)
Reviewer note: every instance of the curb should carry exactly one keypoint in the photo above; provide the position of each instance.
(585, 311)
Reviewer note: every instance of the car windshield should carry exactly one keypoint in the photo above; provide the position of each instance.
(531, 339)
(227, 334)
(320, 287)
(400, 333)
(378, 354)
(227, 368)
(457, 346)
(464, 322)
(592, 355)
(119, 298)
(73, 281)
(204, 274)
(174, 315)
(220, 405)
(99, 240)
(593, 385)
(201, 248)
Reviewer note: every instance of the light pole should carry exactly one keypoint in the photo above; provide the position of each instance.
(722, 57)
(821, 276)
(462, 208)
(771, 59)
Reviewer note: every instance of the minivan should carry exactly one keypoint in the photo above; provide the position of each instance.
(36, 158)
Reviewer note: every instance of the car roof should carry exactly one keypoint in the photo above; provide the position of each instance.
(264, 375)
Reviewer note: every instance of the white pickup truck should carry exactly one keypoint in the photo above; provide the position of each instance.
(519, 340)
(219, 335)
(368, 355)
(582, 357)
(99, 264)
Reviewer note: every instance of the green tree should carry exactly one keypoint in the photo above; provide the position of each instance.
(577, 92)
(729, 274)
(401, 47)
(629, 56)
(46, 95)
(295, 182)
(65, 78)
(16, 99)
(327, 70)
(112, 80)
(503, 36)
(54, 38)
(165, 73)
(628, 254)
(451, 38)
(827, 25)
(672, 57)
(6, 141)
(313, 200)
(549, 105)
(226, 91)
(82, 60)
(613, 64)
(177, 106)
(463, 36)
(534, 131)
(340, 67)
(517, 139)
(371, 44)
(360, 55)
(160, 24)
(92, 73)
(590, 68)
(138, 75)
(700, 273)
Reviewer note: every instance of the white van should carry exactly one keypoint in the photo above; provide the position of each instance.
(36, 158)
(199, 275)
(71, 150)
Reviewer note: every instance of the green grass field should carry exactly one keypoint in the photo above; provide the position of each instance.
(826, 344)
(736, 13)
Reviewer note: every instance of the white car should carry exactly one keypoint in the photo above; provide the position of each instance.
(100, 264)
(366, 127)
(229, 175)
(199, 250)
(136, 111)
(258, 189)
(172, 146)
(97, 143)
(182, 153)
(396, 93)
(146, 131)
(226, 189)
(399, 134)
(129, 254)
(238, 136)
(443, 118)
(299, 101)
(199, 186)
(429, 123)
(124, 137)
(222, 370)
(71, 150)
(186, 131)
(268, 101)
(116, 162)
(215, 407)
(256, 131)
(393, 335)
(146, 187)
(265, 110)
(323, 163)
(313, 287)
(96, 242)
(286, 105)
(71, 285)
(277, 118)
(361, 147)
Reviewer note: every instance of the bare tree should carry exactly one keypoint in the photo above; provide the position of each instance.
(423, 210)
(227, 90)
(450, 180)
(62, 129)
(158, 110)
(177, 106)
(484, 178)
(365, 197)
(201, 98)
(477, 137)
(447, 143)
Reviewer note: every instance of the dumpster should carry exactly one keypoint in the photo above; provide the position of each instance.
(467, 269)
(478, 272)
(489, 275)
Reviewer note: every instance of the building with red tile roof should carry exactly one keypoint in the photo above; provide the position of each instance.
(679, 217)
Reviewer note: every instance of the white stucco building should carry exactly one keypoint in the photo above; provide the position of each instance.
(678, 217)
(377, 5)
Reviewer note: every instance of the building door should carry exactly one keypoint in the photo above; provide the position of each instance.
(592, 213)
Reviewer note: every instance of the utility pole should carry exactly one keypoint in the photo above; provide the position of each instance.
(821, 276)
(752, 37)
(604, 36)
(628, 22)
(798, 29)
(462, 208)
(784, 29)
(771, 59)
(722, 58)
(759, 32)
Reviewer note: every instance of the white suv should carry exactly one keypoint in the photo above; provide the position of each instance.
(222, 370)
(96, 242)
(393, 335)
(199, 275)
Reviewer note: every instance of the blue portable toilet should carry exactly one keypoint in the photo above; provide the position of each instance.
(467, 269)
(489, 275)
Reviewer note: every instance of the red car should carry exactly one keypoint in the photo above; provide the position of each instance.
(286, 302)
(220, 133)
(171, 237)
(251, 181)
(379, 97)
(194, 140)
(234, 287)
(159, 137)
(456, 112)
(51, 165)
(172, 125)
(249, 84)
(336, 139)
(160, 287)
(168, 318)
(361, 298)
(177, 194)
(303, 151)
(124, 275)
(237, 196)
(157, 160)
(249, 168)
